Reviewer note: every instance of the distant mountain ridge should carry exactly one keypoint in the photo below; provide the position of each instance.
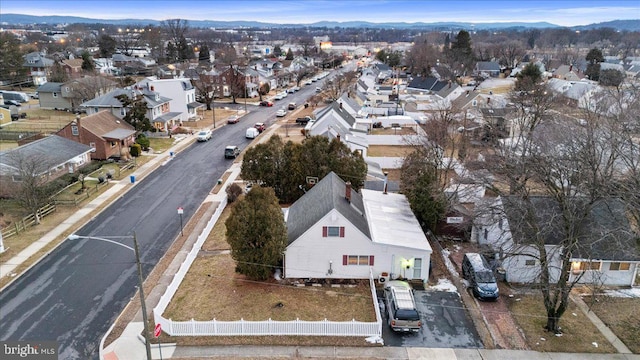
(21, 19)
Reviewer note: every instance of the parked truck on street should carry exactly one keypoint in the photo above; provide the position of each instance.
(303, 120)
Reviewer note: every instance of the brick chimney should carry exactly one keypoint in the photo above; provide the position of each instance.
(347, 191)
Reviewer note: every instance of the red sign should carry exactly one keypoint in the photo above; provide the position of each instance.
(157, 331)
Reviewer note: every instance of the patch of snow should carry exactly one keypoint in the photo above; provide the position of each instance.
(624, 293)
(374, 340)
(574, 314)
(447, 261)
(456, 247)
(444, 285)
(594, 344)
(543, 339)
(559, 335)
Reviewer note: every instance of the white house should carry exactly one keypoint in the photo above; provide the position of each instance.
(336, 232)
(181, 93)
(606, 251)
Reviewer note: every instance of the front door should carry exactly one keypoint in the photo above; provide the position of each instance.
(417, 268)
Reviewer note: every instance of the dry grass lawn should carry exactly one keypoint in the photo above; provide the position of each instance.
(212, 290)
(389, 150)
(622, 316)
(579, 334)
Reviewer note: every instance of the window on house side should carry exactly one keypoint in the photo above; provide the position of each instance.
(74, 130)
(586, 265)
(619, 266)
(529, 262)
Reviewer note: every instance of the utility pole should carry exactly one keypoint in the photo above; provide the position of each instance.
(143, 303)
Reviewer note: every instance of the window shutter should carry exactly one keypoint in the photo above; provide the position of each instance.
(324, 231)
(371, 260)
(341, 231)
(344, 259)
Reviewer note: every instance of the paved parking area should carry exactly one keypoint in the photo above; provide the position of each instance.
(446, 323)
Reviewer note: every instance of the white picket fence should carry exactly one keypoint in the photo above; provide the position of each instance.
(256, 328)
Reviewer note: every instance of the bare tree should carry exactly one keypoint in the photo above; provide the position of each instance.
(555, 181)
(30, 179)
(335, 87)
(511, 53)
(87, 88)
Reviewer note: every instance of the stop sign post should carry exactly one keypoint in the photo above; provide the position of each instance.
(156, 332)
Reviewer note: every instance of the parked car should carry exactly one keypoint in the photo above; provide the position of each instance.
(204, 135)
(303, 120)
(281, 113)
(231, 152)
(12, 102)
(233, 119)
(402, 314)
(266, 103)
(318, 90)
(477, 271)
(260, 127)
(291, 90)
(308, 82)
(292, 106)
(251, 133)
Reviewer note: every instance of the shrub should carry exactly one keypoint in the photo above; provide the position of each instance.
(135, 150)
(233, 192)
(144, 142)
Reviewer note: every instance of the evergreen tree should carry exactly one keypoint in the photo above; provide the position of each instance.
(419, 183)
(257, 233)
(87, 62)
(136, 112)
(594, 58)
(107, 46)
(203, 56)
(289, 55)
(528, 78)
(277, 51)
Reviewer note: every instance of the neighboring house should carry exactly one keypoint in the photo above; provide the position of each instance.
(181, 92)
(487, 68)
(39, 67)
(69, 95)
(50, 96)
(566, 72)
(158, 109)
(607, 250)
(334, 117)
(5, 115)
(73, 67)
(108, 136)
(54, 155)
(336, 232)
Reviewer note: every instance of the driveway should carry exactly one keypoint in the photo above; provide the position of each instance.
(445, 323)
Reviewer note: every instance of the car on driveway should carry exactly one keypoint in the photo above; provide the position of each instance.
(233, 119)
(231, 152)
(281, 113)
(266, 103)
(204, 135)
(291, 106)
(260, 127)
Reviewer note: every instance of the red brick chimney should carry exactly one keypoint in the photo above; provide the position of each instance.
(347, 191)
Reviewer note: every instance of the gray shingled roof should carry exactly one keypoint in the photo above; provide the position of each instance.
(603, 235)
(52, 150)
(50, 87)
(326, 195)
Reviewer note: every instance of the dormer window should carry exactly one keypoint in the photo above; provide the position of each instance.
(74, 130)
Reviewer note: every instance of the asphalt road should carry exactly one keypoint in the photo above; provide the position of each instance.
(75, 293)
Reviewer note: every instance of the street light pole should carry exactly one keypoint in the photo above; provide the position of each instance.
(140, 279)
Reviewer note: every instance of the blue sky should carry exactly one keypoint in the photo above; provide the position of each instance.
(565, 13)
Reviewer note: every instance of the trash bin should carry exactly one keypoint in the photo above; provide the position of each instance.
(501, 274)
(219, 181)
(133, 178)
(171, 153)
(306, 105)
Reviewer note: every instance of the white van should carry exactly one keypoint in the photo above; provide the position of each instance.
(252, 133)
